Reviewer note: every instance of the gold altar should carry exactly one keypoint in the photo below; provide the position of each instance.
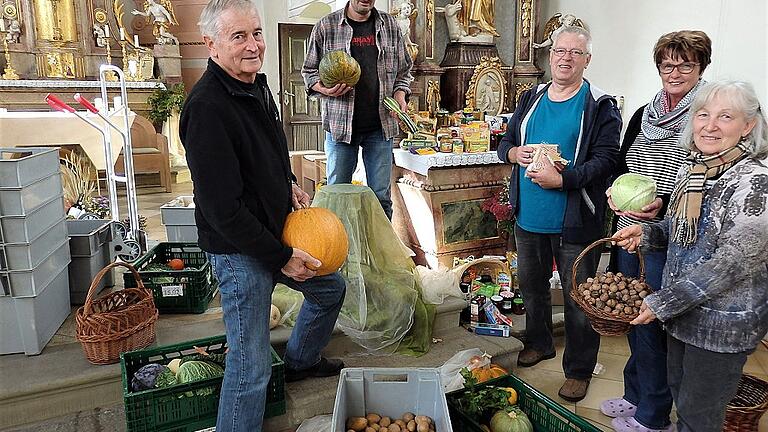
(437, 208)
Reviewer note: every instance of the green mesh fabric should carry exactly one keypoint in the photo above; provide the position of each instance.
(383, 303)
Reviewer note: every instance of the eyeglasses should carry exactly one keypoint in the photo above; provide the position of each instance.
(683, 68)
(576, 53)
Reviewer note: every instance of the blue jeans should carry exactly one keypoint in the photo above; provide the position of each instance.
(702, 384)
(377, 158)
(246, 294)
(534, 268)
(645, 375)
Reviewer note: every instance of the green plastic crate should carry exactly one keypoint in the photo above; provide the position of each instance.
(545, 414)
(167, 409)
(197, 282)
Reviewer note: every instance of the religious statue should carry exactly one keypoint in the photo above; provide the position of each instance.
(478, 17)
(404, 14)
(163, 17)
(14, 31)
(455, 28)
(100, 35)
(487, 96)
(433, 97)
(554, 26)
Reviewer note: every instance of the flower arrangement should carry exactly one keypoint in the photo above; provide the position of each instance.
(498, 205)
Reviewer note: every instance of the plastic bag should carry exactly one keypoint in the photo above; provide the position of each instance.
(321, 423)
(437, 284)
(450, 372)
(382, 288)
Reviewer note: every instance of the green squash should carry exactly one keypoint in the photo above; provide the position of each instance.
(512, 419)
(338, 67)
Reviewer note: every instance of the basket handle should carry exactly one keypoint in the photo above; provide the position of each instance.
(592, 246)
(95, 282)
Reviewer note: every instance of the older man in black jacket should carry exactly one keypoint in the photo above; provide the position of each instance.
(560, 211)
(244, 189)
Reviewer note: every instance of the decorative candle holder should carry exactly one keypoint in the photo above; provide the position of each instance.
(10, 73)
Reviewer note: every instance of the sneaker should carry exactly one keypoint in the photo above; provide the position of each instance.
(530, 357)
(324, 368)
(629, 424)
(618, 407)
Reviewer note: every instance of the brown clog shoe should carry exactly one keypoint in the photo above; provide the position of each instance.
(530, 357)
(574, 390)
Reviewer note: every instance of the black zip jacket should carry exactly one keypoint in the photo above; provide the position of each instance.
(587, 177)
(238, 157)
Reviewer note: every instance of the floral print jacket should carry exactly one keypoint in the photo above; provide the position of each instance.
(715, 293)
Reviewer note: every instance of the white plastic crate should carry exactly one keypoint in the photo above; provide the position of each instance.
(390, 392)
(22, 229)
(20, 167)
(28, 324)
(21, 201)
(178, 212)
(30, 283)
(27, 256)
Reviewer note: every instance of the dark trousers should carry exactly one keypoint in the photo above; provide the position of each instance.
(534, 261)
(645, 375)
(702, 384)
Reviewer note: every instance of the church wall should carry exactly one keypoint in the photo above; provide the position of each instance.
(624, 33)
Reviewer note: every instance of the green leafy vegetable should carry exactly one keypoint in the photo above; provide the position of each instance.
(480, 399)
(632, 192)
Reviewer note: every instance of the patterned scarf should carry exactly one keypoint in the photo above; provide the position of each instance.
(659, 122)
(685, 205)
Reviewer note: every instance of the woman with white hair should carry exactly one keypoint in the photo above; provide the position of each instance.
(713, 299)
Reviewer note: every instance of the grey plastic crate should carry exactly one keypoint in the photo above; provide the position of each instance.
(30, 283)
(28, 324)
(87, 237)
(366, 390)
(91, 252)
(171, 213)
(23, 229)
(21, 201)
(29, 165)
(181, 233)
(26, 256)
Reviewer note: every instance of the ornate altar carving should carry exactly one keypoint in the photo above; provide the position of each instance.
(527, 74)
(487, 88)
(459, 62)
(405, 14)
(554, 25)
(163, 16)
(520, 88)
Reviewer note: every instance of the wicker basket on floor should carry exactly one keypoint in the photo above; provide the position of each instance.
(745, 409)
(118, 322)
(604, 323)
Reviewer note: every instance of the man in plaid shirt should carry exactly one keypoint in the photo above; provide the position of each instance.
(355, 118)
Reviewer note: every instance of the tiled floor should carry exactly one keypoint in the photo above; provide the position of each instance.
(547, 376)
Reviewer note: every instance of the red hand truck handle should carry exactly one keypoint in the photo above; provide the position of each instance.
(84, 102)
(57, 103)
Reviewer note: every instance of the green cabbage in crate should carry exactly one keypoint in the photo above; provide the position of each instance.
(632, 192)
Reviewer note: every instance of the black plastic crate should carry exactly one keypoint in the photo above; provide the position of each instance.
(169, 409)
(176, 291)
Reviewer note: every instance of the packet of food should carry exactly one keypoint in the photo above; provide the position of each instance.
(549, 151)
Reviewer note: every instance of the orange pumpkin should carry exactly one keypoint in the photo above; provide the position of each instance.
(490, 372)
(320, 233)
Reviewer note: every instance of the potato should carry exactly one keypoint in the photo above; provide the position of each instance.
(400, 423)
(423, 418)
(370, 429)
(411, 426)
(357, 424)
(422, 426)
(373, 418)
(408, 416)
(394, 427)
(385, 422)
(375, 426)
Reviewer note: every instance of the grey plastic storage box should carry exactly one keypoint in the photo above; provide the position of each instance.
(30, 283)
(21, 201)
(20, 167)
(28, 324)
(390, 392)
(27, 256)
(90, 251)
(179, 220)
(23, 229)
